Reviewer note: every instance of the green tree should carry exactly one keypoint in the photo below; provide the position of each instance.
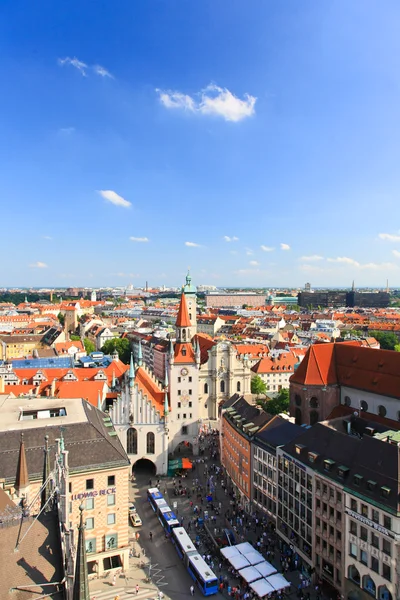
(75, 338)
(258, 386)
(122, 346)
(397, 348)
(61, 319)
(279, 404)
(387, 340)
(89, 346)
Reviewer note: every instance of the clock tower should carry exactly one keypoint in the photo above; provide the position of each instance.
(191, 299)
(183, 376)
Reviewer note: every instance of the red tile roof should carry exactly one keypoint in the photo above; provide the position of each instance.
(150, 388)
(351, 365)
(206, 343)
(282, 363)
(184, 353)
(182, 320)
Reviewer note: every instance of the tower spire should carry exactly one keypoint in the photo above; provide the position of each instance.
(182, 320)
(81, 583)
(46, 491)
(22, 478)
(131, 371)
(140, 355)
(166, 405)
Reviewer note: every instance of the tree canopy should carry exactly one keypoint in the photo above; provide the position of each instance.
(387, 340)
(277, 405)
(89, 346)
(258, 386)
(122, 346)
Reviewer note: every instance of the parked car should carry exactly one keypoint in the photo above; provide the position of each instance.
(132, 508)
(135, 520)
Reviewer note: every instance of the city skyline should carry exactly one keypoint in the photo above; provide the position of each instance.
(255, 143)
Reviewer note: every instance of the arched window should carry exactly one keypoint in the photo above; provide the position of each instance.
(314, 417)
(314, 402)
(383, 593)
(381, 411)
(183, 351)
(297, 400)
(297, 416)
(150, 443)
(369, 585)
(206, 388)
(347, 400)
(222, 386)
(184, 334)
(238, 386)
(354, 574)
(364, 406)
(131, 441)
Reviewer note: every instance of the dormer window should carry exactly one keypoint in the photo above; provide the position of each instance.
(328, 464)
(343, 471)
(385, 491)
(184, 351)
(312, 457)
(357, 479)
(299, 448)
(371, 485)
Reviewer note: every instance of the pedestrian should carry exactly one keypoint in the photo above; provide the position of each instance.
(114, 579)
(192, 590)
(137, 589)
(151, 536)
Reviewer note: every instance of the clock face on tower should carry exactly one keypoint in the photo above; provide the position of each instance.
(184, 372)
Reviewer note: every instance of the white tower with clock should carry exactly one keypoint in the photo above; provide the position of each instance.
(191, 299)
(183, 377)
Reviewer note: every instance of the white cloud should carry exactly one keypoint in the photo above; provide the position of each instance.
(192, 245)
(344, 260)
(311, 258)
(285, 247)
(38, 265)
(66, 130)
(47, 237)
(139, 239)
(213, 100)
(396, 253)
(231, 239)
(74, 62)
(249, 252)
(254, 263)
(267, 248)
(114, 198)
(389, 237)
(99, 70)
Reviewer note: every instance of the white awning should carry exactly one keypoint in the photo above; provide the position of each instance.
(239, 562)
(261, 588)
(265, 568)
(244, 548)
(230, 551)
(250, 574)
(254, 557)
(278, 581)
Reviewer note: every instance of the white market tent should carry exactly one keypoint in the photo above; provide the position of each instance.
(261, 587)
(278, 581)
(265, 568)
(244, 547)
(250, 574)
(230, 551)
(255, 557)
(239, 562)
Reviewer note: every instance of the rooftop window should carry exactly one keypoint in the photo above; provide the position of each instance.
(371, 485)
(385, 491)
(343, 471)
(49, 413)
(357, 479)
(328, 464)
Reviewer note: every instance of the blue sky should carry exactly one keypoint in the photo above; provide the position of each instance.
(255, 141)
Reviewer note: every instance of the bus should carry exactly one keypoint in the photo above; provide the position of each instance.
(202, 574)
(183, 544)
(197, 568)
(156, 499)
(167, 518)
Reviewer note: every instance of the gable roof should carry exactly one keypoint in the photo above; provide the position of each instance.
(206, 343)
(184, 353)
(150, 388)
(182, 320)
(347, 364)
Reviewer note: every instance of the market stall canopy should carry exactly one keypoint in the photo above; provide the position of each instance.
(254, 557)
(262, 587)
(229, 552)
(245, 548)
(239, 562)
(265, 568)
(250, 574)
(186, 463)
(278, 582)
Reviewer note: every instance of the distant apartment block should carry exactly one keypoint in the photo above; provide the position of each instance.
(232, 300)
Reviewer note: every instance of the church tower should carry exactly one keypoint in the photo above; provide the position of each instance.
(183, 377)
(190, 292)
